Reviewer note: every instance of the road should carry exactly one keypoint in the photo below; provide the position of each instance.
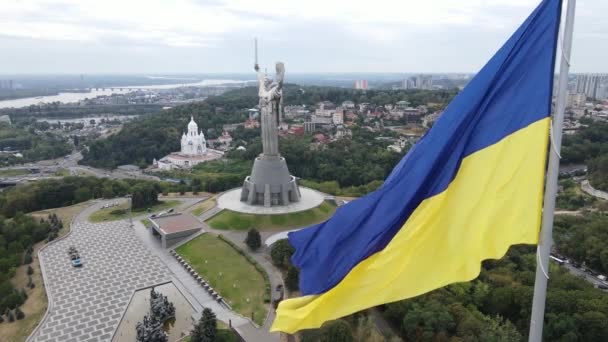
(584, 275)
(47, 169)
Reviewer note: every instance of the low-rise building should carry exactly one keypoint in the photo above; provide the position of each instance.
(193, 151)
(338, 118)
(251, 124)
(173, 228)
(348, 104)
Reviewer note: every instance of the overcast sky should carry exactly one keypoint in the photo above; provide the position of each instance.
(181, 36)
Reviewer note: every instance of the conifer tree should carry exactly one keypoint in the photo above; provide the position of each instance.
(206, 328)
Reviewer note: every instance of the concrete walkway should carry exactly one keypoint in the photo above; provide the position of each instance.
(193, 290)
(586, 187)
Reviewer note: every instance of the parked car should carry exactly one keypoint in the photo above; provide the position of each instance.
(74, 257)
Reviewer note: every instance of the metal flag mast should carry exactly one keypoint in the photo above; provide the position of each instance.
(546, 233)
(255, 45)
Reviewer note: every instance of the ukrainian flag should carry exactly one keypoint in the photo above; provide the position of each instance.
(469, 189)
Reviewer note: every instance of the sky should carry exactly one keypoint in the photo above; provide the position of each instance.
(216, 36)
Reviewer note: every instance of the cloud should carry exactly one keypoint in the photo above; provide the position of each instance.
(190, 22)
(315, 35)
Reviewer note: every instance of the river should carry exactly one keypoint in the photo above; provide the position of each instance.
(68, 97)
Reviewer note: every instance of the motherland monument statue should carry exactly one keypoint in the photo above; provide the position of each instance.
(270, 183)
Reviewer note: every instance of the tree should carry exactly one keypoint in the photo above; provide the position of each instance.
(499, 330)
(11, 316)
(336, 331)
(206, 328)
(280, 252)
(27, 258)
(292, 279)
(427, 320)
(144, 194)
(196, 185)
(253, 240)
(19, 314)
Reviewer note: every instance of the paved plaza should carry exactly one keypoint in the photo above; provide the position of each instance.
(87, 303)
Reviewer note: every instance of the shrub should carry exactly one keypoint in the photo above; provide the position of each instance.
(30, 270)
(11, 317)
(117, 212)
(254, 239)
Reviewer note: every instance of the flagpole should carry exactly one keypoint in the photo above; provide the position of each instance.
(546, 238)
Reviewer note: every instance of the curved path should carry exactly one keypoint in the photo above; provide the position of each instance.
(87, 303)
(586, 187)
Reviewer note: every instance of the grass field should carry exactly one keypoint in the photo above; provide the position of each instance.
(121, 211)
(14, 172)
(36, 303)
(239, 280)
(227, 219)
(204, 206)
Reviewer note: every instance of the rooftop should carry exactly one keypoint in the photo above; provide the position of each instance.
(176, 223)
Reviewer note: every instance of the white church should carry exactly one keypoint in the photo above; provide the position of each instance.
(194, 151)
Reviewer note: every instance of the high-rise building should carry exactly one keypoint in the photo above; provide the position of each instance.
(590, 84)
(418, 82)
(362, 84)
(409, 83)
(424, 82)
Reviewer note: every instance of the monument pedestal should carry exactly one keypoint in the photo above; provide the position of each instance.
(270, 183)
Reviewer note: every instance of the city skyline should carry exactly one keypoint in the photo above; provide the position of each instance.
(188, 36)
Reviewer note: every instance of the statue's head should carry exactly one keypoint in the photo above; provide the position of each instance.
(267, 82)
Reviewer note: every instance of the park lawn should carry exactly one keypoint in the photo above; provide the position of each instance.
(204, 206)
(227, 219)
(65, 214)
(121, 211)
(36, 303)
(14, 172)
(239, 279)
